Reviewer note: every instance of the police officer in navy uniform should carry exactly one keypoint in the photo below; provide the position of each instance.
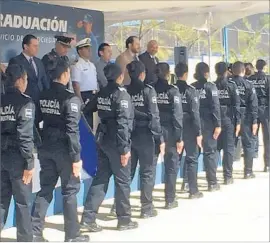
(84, 76)
(210, 121)
(249, 116)
(114, 149)
(192, 134)
(261, 83)
(146, 131)
(59, 154)
(230, 119)
(17, 159)
(60, 51)
(171, 118)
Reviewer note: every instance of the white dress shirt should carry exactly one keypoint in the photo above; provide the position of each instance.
(85, 74)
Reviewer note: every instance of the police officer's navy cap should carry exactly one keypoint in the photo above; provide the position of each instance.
(84, 43)
(64, 40)
(88, 18)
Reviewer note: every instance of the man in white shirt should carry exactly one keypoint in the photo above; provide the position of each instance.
(84, 76)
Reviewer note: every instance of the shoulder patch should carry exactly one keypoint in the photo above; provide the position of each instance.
(122, 89)
(28, 113)
(74, 107)
(69, 91)
(124, 104)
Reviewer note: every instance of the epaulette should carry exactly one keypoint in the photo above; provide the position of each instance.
(231, 81)
(174, 86)
(190, 86)
(122, 89)
(70, 91)
(149, 86)
(25, 95)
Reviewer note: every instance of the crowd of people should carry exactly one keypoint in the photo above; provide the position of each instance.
(142, 115)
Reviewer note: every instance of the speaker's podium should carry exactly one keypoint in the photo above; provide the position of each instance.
(180, 55)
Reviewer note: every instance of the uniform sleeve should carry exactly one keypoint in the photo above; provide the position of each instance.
(253, 104)
(236, 104)
(25, 133)
(75, 74)
(215, 105)
(124, 113)
(73, 115)
(268, 89)
(177, 112)
(193, 100)
(153, 114)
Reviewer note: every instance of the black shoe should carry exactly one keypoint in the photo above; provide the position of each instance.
(150, 214)
(80, 238)
(266, 169)
(171, 205)
(184, 187)
(213, 188)
(37, 238)
(129, 226)
(228, 181)
(113, 211)
(92, 227)
(249, 176)
(196, 195)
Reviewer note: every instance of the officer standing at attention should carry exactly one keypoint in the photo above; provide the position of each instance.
(59, 154)
(146, 131)
(84, 76)
(113, 137)
(230, 119)
(171, 118)
(249, 116)
(60, 51)
(210, 121)
(192, 134)
(261, 83)
(17, 159)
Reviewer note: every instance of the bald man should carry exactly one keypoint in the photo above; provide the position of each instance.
(150, 60)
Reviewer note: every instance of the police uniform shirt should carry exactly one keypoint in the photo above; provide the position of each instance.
(85, 74)
(209, 100)
(261, 83)
(17, 124)
(190, 105)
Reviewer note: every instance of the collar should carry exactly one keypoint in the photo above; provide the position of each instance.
(26, 56)
(83, 60)
(12, 90)
(203, 80)
(151, 55)
(57, 85)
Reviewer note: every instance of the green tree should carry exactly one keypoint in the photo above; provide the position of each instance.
(249, 41)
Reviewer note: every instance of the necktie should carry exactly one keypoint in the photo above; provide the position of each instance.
(155, 61)
(136, 58)
(32, 65)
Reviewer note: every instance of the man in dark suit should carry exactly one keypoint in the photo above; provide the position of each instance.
(37, 78)
(150, 60)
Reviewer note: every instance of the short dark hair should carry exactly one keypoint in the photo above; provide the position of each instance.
(130, 40)
(221, 69)
(102, 47)
(181, 69)
(135, 68)
(57, 67)
(238, 68)
(249, 69)
(201, 69)
(162, 70)
(27, 40)
(260, 64)
(13, 73)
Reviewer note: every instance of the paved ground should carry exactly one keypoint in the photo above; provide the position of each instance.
(239, 212)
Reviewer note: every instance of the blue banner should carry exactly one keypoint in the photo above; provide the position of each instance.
(18, 18)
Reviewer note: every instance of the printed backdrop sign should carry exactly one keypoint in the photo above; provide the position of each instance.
(18, 18)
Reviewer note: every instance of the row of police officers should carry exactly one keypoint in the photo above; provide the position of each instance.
(138, 122)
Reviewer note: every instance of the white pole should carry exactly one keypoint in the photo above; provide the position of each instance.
(209, 41)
